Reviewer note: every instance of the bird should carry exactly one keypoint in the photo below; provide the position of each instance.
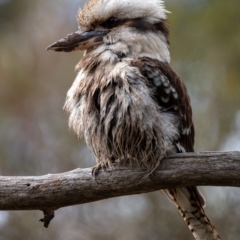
(126, 99)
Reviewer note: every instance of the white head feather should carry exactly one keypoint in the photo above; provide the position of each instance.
(97, 11)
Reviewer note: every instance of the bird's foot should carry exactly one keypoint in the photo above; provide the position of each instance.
(96, 169)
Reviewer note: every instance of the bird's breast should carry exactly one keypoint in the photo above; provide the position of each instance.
(114, 109)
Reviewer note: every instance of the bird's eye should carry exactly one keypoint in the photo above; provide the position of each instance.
(111, 22)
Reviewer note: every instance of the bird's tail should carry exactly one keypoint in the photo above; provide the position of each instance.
(190, 204)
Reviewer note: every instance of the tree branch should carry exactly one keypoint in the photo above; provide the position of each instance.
(53, 191)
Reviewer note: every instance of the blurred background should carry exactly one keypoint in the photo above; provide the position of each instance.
(34, 136)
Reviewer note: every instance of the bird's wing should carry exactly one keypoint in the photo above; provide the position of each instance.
(171, 95)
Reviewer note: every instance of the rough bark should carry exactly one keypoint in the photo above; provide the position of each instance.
(53, 191)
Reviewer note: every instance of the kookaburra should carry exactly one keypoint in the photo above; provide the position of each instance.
(126, 100)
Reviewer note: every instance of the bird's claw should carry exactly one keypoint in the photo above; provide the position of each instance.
(100, 166)
(96, 169)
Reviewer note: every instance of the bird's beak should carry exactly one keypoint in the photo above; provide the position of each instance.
(80, 40)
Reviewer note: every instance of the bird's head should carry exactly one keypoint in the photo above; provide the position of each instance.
(127, 28)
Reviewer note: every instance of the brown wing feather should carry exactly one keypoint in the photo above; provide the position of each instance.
(171, 95)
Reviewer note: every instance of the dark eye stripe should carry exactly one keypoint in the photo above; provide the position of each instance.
(111, 22)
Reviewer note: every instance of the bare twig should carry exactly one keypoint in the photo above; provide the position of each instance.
(53, 191)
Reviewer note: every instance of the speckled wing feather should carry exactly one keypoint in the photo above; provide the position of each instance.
(171, 95)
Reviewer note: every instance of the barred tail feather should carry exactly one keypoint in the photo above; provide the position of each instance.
(190, 203)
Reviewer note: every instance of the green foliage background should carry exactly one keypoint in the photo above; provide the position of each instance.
(35, 140)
